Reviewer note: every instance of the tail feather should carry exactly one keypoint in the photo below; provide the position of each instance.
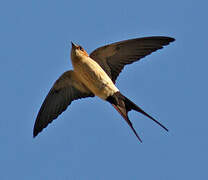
(123, 105)
(124, 114)
(138, 109)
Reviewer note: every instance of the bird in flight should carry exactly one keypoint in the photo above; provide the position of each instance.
(95, 75)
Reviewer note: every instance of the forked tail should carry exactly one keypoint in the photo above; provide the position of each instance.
(123, 105)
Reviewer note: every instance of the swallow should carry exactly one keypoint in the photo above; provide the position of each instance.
(95, 75)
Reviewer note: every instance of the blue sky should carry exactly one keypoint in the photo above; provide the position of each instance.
(91, 140)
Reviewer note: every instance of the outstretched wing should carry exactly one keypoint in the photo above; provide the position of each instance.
(66, 89)
(113, 57)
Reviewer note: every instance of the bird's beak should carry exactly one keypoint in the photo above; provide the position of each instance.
(73, 45)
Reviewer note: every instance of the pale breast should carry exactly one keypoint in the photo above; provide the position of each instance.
(94, 77)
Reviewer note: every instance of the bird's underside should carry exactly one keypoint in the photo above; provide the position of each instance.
(95, 75)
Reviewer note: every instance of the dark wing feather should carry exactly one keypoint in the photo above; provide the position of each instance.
(113, 57)
(64, 91)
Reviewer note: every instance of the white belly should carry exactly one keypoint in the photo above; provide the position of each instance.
(94, 77)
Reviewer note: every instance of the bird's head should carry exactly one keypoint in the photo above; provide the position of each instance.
(77, 51)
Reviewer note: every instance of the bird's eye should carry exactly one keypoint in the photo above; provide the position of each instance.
(80, 48)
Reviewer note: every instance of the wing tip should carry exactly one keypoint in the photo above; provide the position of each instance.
(171, 39)
(166, 40)
(35, 133)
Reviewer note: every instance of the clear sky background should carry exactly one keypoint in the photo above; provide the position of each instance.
(90, 140)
